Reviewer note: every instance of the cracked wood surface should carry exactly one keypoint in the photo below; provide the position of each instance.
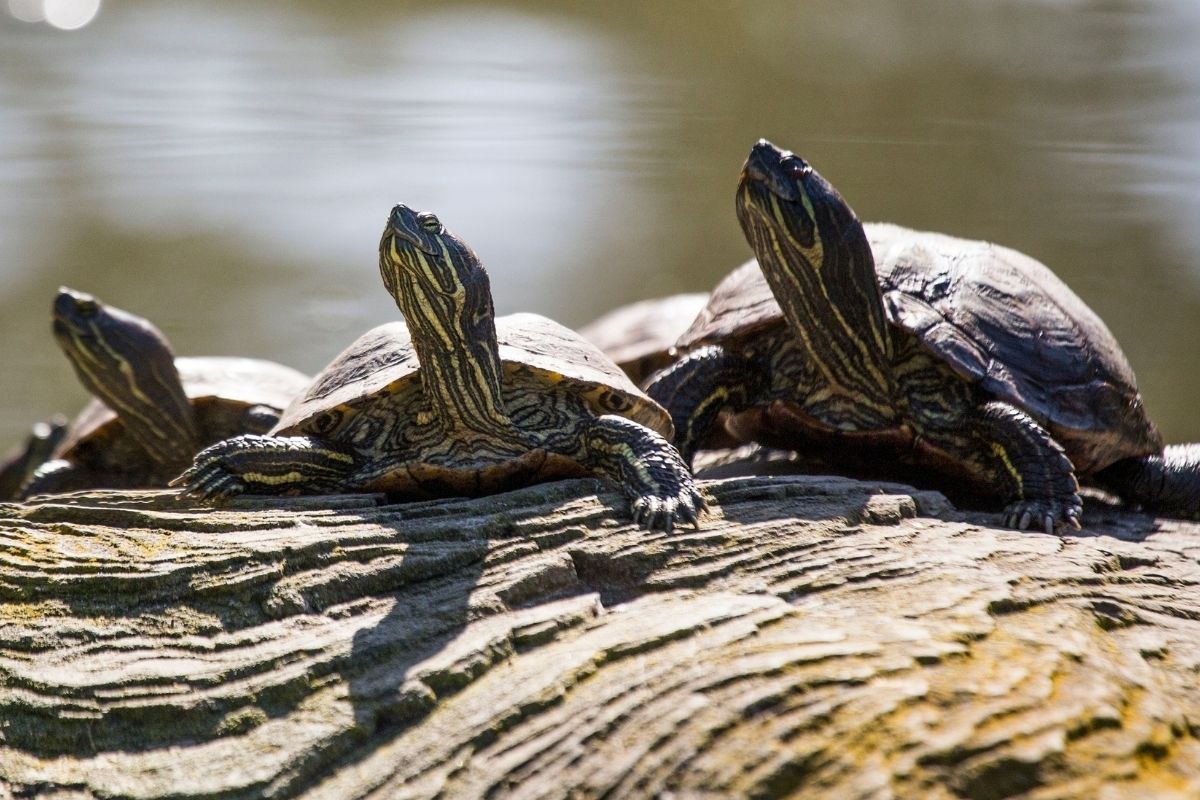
(819, 637)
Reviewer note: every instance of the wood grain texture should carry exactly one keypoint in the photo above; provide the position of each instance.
(819, 637)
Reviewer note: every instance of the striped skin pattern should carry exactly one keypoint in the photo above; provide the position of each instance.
(834, 312)
(840, 383)
(126, 362)
(467, 421)
(151, 412)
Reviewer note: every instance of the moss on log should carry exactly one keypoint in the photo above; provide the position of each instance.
(818, 637)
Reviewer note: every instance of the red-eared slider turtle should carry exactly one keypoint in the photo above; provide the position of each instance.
(638, 337)
(961, 359)
(457, 402)
(152, 412)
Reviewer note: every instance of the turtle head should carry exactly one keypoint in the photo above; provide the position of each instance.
(435, 276)
(102, 341)
(815, 255)
(77, 317)
(780, 190)
(443, 291)
(126, 362)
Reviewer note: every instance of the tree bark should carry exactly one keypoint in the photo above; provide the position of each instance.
(817, 638)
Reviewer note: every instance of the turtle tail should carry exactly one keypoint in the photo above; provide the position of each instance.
(1167, 483)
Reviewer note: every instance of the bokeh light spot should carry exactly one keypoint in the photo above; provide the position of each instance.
(70, 15)
(27, 10)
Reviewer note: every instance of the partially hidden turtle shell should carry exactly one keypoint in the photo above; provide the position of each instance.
(220, 388)
(639, 336)
(995, 316)
(382, 361)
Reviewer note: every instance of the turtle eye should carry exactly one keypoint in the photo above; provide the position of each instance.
(326, 422)
(795, 166)
(86, 306)
(429, 222)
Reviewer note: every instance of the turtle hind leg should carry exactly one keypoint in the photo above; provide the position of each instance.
(649, 470)
(698, 387)
(267, 465)
(1169, 482)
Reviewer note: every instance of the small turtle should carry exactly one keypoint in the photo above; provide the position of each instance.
(19, 463)
(458, 402)
(638, 337)
(893, 351)
(151, 412)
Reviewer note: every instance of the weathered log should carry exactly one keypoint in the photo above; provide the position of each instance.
(818, 637)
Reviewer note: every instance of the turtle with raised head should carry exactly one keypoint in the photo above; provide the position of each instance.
(151, 412)
(898, 352)
(457, 402)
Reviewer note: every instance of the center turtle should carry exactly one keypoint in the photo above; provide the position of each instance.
(458, 402)
(897, 352)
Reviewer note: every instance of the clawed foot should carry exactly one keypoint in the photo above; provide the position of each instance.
(1048, 514)
(663, 510)
(208, 478)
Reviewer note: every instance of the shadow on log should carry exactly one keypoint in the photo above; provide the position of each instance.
(819, 637)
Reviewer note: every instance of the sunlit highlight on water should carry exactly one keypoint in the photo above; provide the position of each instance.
(67, 15)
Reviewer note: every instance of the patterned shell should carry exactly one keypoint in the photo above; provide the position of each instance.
(220, 389)
(995, 316)
(383, 359)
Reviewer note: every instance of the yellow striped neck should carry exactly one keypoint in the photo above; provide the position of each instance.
(819, 266)
(452, 322)
(126, 362)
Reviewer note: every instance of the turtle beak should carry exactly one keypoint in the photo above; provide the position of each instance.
(71, 310)
(69, 303)
(403, 225)
(778, 171)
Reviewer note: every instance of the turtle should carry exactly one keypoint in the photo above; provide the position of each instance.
(638, 336)
(892, 351)
(20, 462)
(150, 412)
(455, 402)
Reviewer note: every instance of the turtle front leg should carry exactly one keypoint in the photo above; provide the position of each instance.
(698, 387)
(255, 464)
(649, 470)
(1011, 451)
(1169, 482)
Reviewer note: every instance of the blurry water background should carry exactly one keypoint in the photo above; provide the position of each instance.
(225, 168)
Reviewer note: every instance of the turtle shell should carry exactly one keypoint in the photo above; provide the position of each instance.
(997, 318)
(639, 336)
(220, 388)
(383, 361)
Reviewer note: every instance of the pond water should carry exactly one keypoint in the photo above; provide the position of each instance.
(225, 168)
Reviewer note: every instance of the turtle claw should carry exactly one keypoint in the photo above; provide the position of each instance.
(658, 512)
(687, 510)
(1051, 515)
(209, 481)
